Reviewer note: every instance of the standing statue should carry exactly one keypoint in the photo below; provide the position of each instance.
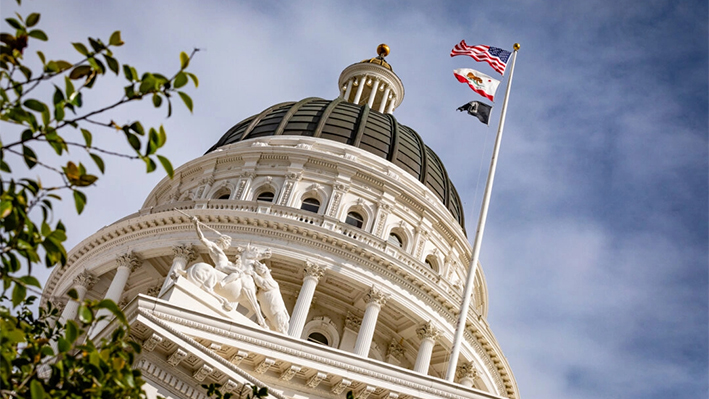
(269, 296)
(229, 282)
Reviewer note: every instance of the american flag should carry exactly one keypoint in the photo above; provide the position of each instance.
(496, 57)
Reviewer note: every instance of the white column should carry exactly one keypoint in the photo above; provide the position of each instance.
(375, 300)
(313, 273)
(466, 374)
(362, 82)
(427, 333)
(82, 283)
(390, 109)
(183, 254)
(373, 93)
(349, 89)
(126, 264)
(385, 98)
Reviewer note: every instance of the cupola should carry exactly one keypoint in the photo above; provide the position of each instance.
(372, 82)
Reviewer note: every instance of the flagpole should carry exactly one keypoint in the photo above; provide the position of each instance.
(463, 315)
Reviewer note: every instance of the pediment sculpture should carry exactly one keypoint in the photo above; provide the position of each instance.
(246, 280)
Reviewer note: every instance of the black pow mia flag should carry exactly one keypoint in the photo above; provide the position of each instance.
(478, 109)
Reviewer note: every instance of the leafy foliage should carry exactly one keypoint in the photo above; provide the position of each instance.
(256, 392)
(42, 357)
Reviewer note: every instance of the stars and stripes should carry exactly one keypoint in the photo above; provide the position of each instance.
(496, 57)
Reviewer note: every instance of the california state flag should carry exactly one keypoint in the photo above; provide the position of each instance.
(479, 82)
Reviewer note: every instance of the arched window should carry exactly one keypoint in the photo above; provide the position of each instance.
(354, 219)
(223, 194)
(310, 205)
(395, 239)
(432, 262)
(318, 338)
(266, 196)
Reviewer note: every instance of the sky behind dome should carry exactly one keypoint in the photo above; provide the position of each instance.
(595, 251)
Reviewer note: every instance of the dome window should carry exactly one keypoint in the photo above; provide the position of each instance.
(432, 262)
(318, 338)
(355, 219)
(266, 196)
(395, 240)
(310, 205)
(224, 197)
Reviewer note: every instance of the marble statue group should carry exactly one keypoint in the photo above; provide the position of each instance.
(245, 281)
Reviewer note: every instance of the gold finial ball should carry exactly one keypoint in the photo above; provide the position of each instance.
(383, 50)
(516, 46)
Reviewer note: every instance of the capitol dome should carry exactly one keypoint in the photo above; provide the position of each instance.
(317, 248)
(358, 126)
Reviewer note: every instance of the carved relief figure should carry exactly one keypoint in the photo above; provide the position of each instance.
(229, 282)
(270, 299)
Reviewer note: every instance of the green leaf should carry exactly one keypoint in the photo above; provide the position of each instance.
(30, 280)
(5, 208)
(18, 294)
(184, 60)
(38, 34)
(96, 45)
(85, 314)
(81, 48)
(79, 201)
(150, 165)
(69, 87)
(32, 19)
(30, 156)
(36, 388)
(73, 294)
(87, 137)
(79, 72)
(162, 137)
(157, 100)
(133, 140)
(186, 99)
(194, 78)
(115, 39)
(99, 162)
(35, 105)
(180, 80)
(113, 308)
(137, 127)
(63, 65)
(112, 63)
(128, 73)
(72, 331)
(41, 57)
(63, 345)
(166, 165)
(14, 23)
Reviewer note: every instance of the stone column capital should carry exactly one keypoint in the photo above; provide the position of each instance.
(466, 370)
(375, 295)
(129, 260)
(185, 251)
(395, 349)
(85, 279)
(314, 270)
(352, 322)
(428, 330)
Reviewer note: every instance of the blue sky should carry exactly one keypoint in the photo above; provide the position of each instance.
(596, 245)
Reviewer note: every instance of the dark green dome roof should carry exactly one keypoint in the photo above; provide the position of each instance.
(356, 125)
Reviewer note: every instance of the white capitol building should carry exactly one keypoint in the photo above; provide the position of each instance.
(362, 231)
